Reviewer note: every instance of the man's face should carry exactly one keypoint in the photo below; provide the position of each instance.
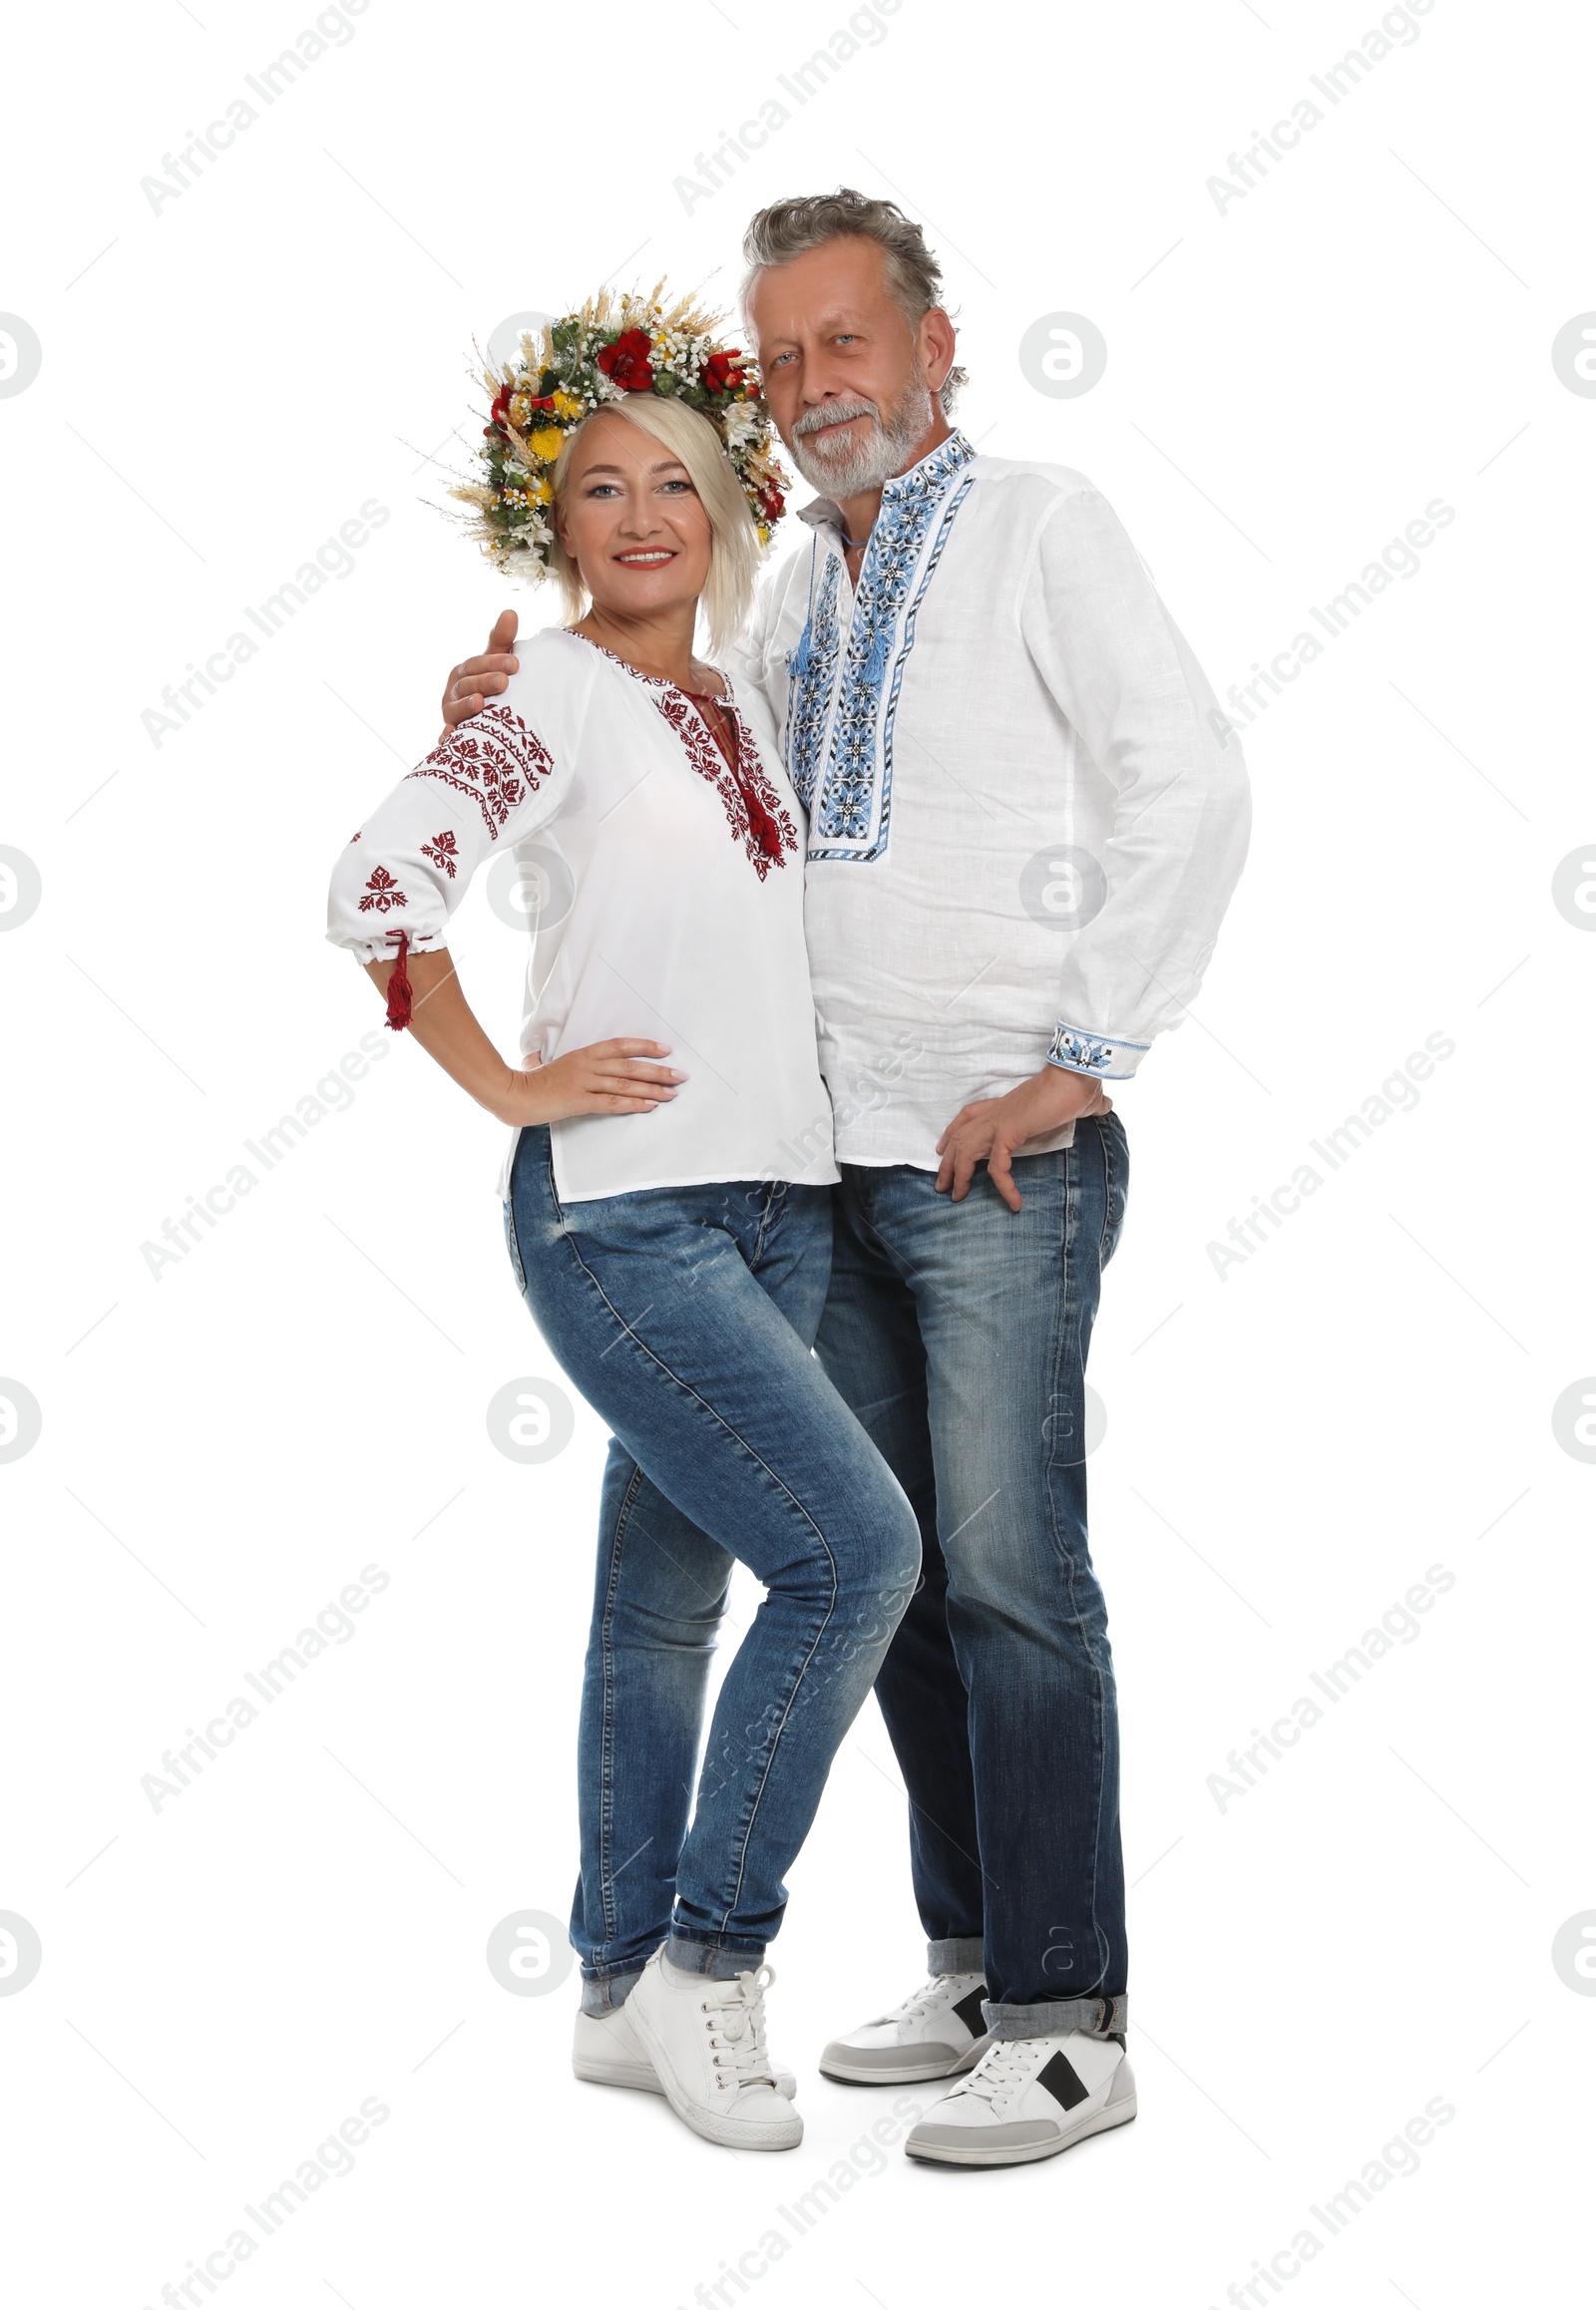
(843, 368)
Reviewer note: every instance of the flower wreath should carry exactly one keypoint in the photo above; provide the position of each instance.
(601, 353)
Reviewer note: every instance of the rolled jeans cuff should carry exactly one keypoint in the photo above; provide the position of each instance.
(954, 1956)
(721, 1960)
(603, 1993)
(1094, 2016)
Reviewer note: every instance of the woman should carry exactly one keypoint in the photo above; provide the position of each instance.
(671, 1241)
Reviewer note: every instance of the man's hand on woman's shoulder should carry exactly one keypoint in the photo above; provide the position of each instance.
(475, 680)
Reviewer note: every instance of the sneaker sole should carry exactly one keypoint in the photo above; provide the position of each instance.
(633, 2073)
(641, 2079)
(915, 2074)
(721, 2131)
(1116, 2114)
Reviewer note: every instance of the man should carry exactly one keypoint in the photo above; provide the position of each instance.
(1026, 815)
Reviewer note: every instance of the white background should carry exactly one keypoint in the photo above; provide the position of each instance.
(1288, 1448)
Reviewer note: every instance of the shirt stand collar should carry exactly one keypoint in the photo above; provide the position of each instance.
(936, 468)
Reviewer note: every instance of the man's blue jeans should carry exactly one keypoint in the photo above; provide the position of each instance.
(959, 1331)
(685, 1317)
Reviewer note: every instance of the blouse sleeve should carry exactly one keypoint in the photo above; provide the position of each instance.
(492, 782)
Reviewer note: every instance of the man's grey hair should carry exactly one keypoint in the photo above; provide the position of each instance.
(789, 228)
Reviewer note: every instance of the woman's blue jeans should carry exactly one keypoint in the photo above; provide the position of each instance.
(685, 1317)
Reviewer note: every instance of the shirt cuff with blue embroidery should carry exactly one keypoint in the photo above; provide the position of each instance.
(1110, 1057)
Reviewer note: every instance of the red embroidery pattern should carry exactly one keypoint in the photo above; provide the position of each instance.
(496, 759)
(382, 892)
(443, 852)
(751, 803)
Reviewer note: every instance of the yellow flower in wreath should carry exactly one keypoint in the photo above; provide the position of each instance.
(546, 442)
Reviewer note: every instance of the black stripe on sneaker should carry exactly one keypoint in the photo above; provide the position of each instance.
(1061, 2081)
(968, 2011)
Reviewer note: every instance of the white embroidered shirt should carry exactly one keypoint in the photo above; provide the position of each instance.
(672, 907)
(1026, 812)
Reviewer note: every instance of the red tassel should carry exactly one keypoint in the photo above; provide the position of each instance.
(399, 989)
(765, 831)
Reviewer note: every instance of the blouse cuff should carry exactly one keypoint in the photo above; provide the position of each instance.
(1110, 1057)
(382, 946)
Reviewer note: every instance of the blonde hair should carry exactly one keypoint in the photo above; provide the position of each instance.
(734, 540)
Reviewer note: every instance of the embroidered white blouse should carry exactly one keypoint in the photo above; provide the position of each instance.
(676, 908)
(1026, 812)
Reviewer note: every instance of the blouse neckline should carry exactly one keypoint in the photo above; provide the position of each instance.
(657, 681)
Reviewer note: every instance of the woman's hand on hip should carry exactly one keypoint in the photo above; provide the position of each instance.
(619, 1078)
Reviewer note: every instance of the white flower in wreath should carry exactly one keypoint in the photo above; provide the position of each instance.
(743, 424)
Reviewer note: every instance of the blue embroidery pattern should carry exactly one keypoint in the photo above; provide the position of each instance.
(810, 671)
(884, 618)
(1085, 1054)
(879, 845)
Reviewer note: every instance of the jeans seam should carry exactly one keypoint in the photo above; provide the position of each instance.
(1107, 1248)
(1071, 1307)
(796, 1683)
(549, 1168)
(607, 1668)
(769, 1218)
(517, 1265)
(786, 1493)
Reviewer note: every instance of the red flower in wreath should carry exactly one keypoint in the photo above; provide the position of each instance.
(627, 362)
(771, 501)
(722, 372)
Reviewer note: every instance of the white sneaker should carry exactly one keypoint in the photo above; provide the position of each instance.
(1029, 2097)
(606, 2052)
(937, 2033)
(706, 2042)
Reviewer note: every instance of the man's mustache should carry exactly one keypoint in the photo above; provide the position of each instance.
(834, 413)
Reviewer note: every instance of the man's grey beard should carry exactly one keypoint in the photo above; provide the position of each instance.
(853, 467)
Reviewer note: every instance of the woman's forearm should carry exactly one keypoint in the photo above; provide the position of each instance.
(623, 1076)
(448, 1030)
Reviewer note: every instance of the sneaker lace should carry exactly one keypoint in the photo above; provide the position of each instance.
(1003, 2069)
(914, 2007)
(735, 2012)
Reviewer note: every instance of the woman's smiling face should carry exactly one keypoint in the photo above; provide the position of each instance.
(631, 521)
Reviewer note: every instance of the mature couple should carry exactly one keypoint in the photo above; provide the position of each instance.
(932, 844)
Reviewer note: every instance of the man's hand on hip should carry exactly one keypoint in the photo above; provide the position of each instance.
(990, 1130)
(475, 680)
